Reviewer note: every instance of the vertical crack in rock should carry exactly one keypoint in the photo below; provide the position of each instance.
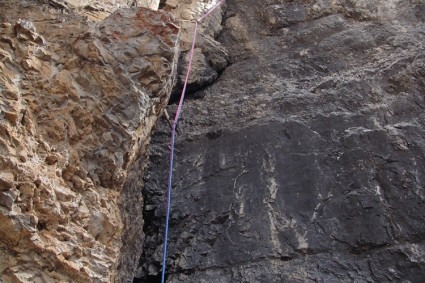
(210, 57)
(304, 161)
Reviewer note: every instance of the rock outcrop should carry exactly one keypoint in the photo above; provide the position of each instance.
(78, 102)
(305, 161)
(211, 57)
(98, 10)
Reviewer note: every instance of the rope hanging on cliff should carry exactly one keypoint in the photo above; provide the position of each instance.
(173, 135)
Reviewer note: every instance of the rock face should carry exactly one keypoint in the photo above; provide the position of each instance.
(99, 10)
(78, 102)
(304, 162)
(211, 57)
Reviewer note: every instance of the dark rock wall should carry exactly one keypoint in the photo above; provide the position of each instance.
(304, 162)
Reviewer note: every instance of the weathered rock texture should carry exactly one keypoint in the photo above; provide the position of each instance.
(98, 10)
(304, 162)
(211, 57)
(78, 103)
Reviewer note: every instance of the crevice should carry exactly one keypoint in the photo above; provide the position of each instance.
(149, 279)
(162, 4)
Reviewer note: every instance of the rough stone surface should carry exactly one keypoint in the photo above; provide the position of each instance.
(211, 57)
(98, 10)
(78, 102)
(304, 162)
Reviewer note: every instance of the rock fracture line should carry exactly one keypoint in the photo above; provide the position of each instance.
(173, 135)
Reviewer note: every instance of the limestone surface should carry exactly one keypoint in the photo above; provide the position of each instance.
(305, 160)
(210, 57)
(78, 102)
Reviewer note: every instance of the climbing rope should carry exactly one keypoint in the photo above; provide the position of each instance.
(173, 136)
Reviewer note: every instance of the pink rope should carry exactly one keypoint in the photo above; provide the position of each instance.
(210, 11)
(173, 137)
(192, 51)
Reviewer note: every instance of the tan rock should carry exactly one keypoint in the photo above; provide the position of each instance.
(79, 101)
(6, 181)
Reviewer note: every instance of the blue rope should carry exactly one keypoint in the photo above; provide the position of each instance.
(167, 219)
(173, 137)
